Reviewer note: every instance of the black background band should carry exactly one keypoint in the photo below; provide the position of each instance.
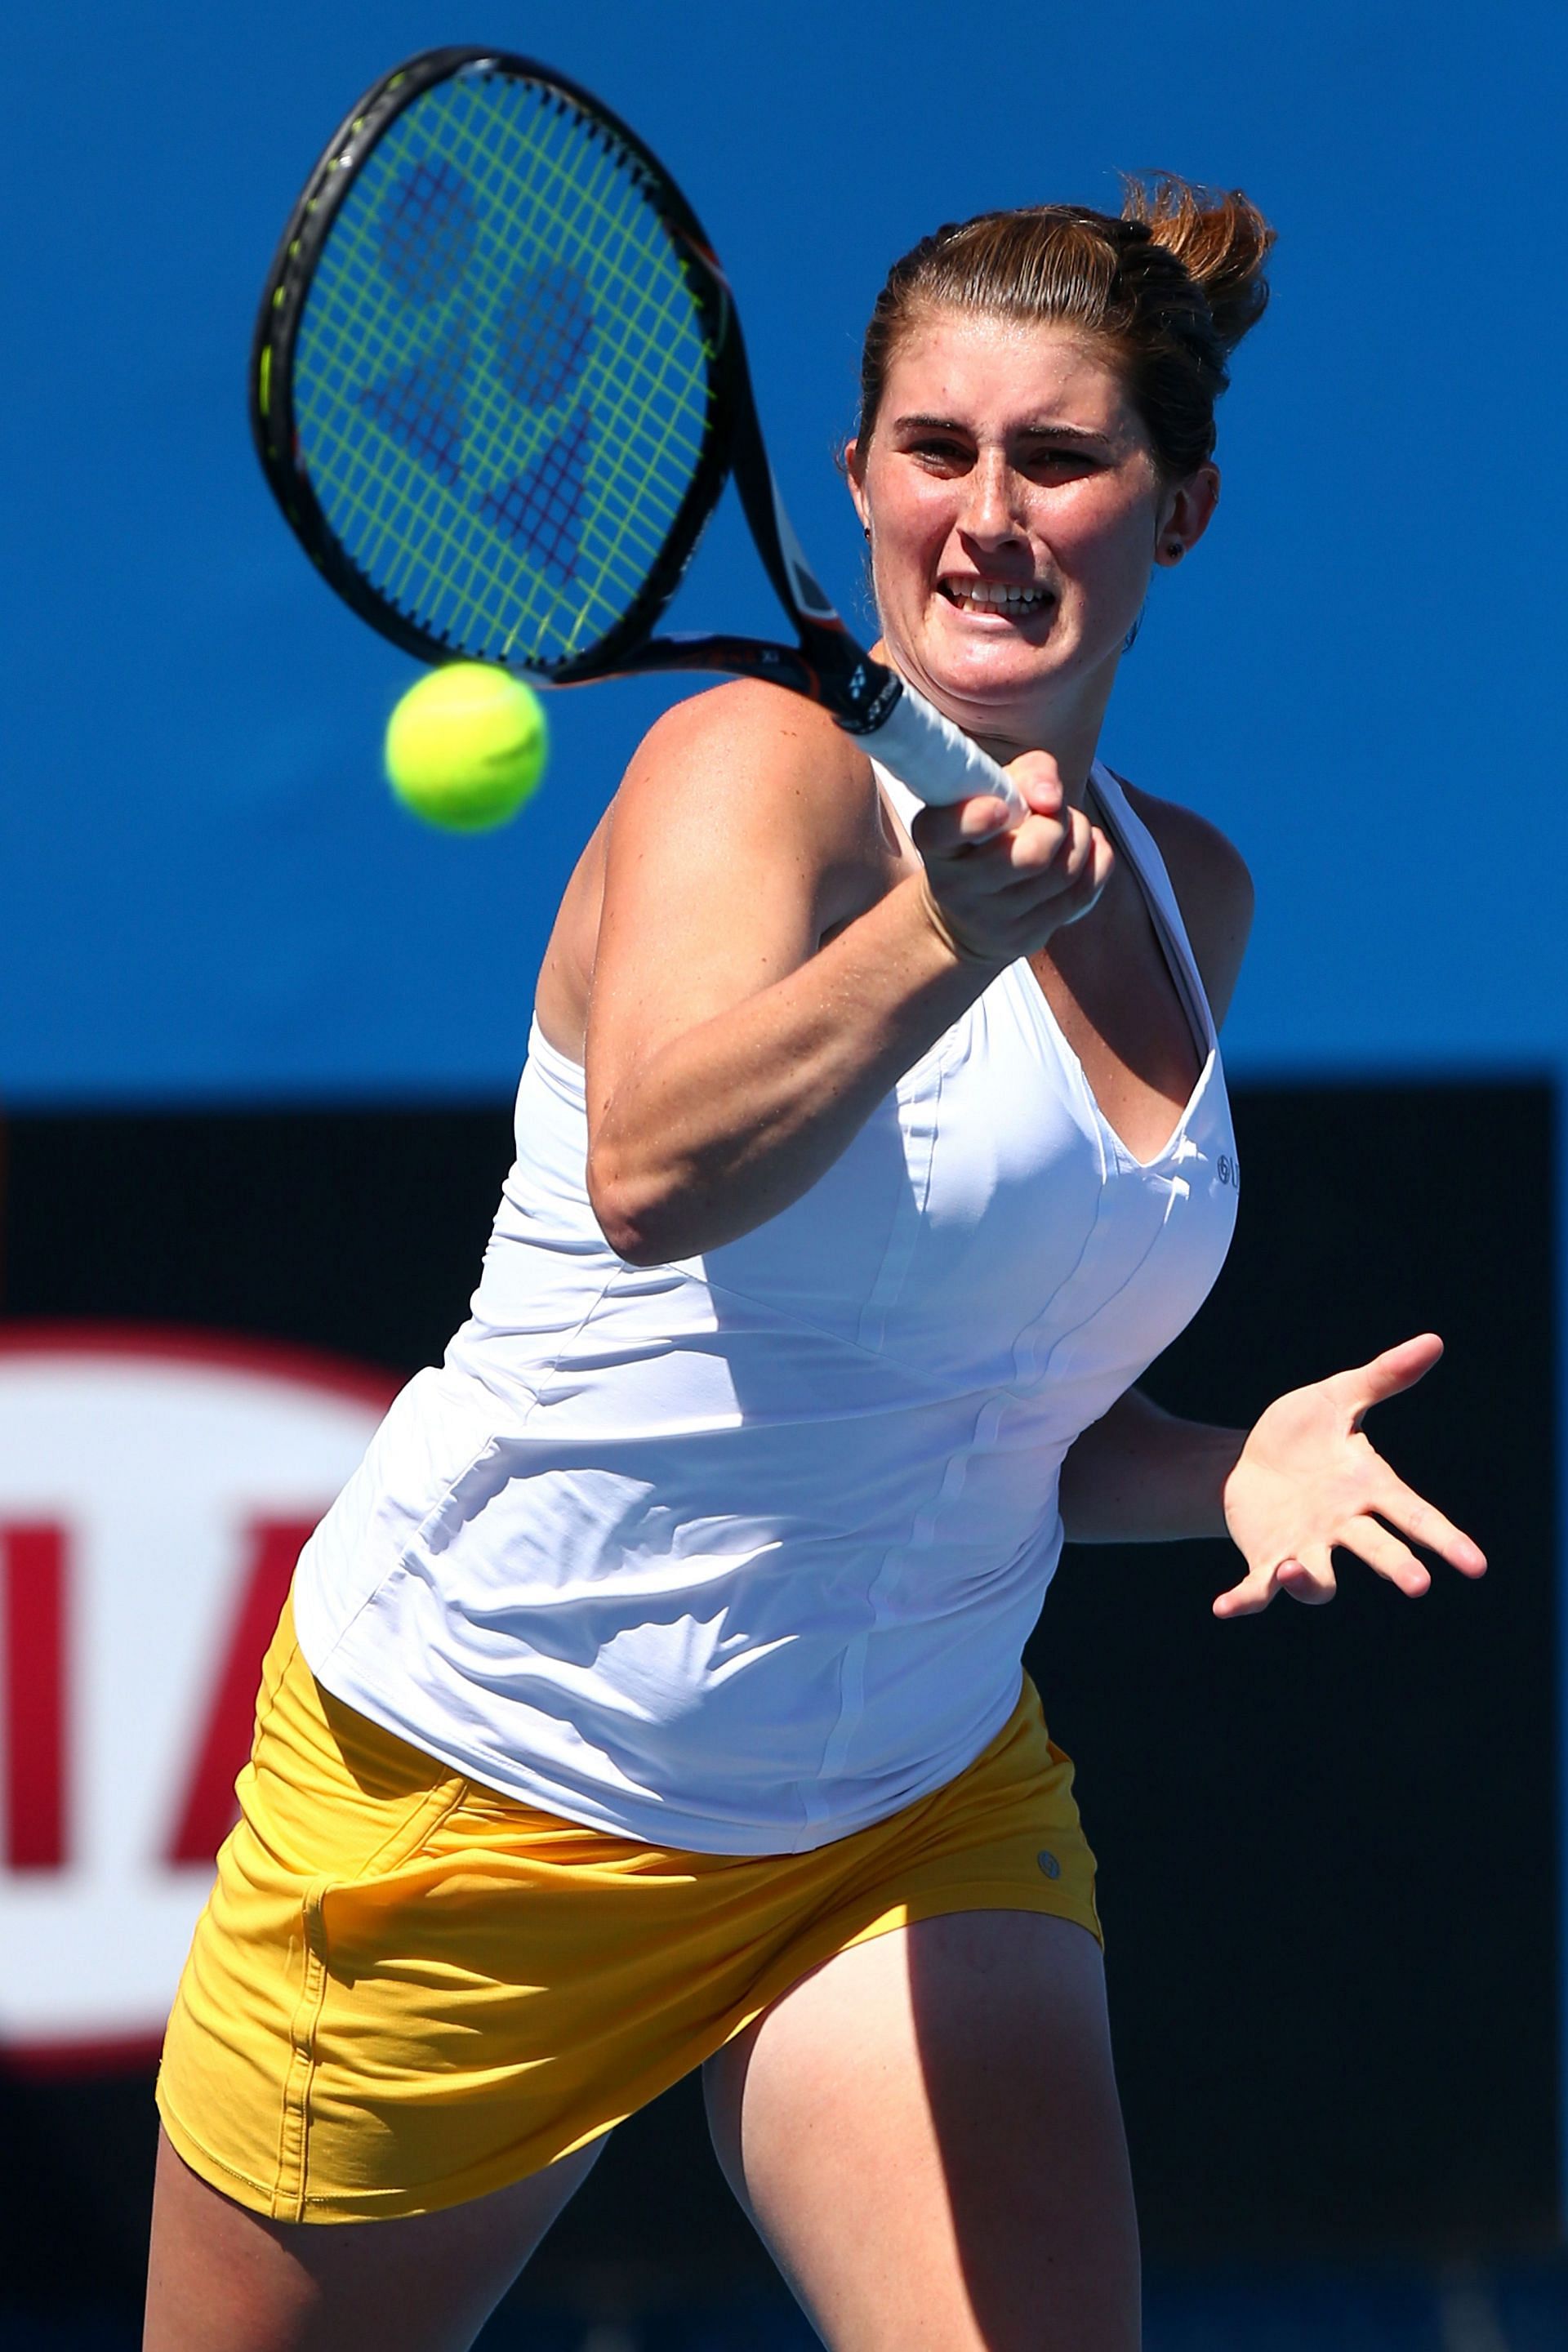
(1327, 1841)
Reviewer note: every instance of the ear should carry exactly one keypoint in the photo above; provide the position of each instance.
(854, 473)
(1185, 513)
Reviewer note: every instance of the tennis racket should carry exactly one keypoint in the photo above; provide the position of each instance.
(498, 386)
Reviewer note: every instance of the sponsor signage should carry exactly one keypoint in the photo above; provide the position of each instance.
(155, 1489)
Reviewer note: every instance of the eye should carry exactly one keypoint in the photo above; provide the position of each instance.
(939, 453)
(1061, 464)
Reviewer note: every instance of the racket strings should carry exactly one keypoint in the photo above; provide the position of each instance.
(541, 511)
(422, 406)
(652, 354)
(542, 334)
(428, 235)
(501, 383)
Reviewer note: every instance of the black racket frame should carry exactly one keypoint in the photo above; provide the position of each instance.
(827, 665)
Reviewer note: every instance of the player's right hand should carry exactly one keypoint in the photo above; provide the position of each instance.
(995, 894)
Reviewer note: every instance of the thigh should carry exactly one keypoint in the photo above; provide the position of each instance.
(223, 2279)
(927, 2134)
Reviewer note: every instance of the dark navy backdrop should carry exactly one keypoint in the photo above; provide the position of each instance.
(207, 894)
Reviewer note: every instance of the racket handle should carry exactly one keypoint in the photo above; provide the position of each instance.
(933, 756)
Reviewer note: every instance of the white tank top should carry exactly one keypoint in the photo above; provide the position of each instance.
(739, 1554)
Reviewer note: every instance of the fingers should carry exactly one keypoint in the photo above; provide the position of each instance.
(953, 828)
(1371, 1541)
(1036, 778)
(999, 893)
(1074, 861)
(1389, 1374)
(949, 829)
(1311, 1579)
(943, 828)
(1102, 858)
(1425, 1525)
(1254, 1591)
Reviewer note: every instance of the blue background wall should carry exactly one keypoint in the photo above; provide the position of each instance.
(207, 893)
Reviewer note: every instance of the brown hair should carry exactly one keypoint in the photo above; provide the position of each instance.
(1170, 290)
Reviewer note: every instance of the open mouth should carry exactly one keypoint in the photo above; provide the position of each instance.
(1014, 603)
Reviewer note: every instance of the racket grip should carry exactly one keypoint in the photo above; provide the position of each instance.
(933, 756)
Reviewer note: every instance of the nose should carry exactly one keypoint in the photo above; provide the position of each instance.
(992, 515)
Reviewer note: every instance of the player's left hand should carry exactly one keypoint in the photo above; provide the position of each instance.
(1308, 1482)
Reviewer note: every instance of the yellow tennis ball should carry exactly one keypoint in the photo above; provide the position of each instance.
(467, 746)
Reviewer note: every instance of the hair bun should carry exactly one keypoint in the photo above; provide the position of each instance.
(1218, 235)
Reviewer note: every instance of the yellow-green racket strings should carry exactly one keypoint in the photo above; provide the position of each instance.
(501, 385)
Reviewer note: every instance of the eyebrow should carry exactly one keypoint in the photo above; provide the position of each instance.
(1041, 432)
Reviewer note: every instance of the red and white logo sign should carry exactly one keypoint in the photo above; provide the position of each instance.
(155, 1489)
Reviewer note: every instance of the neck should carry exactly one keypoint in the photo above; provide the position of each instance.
(1072, 748)
(1068, 729)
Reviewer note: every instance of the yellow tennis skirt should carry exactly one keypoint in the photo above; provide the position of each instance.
(408, 1989)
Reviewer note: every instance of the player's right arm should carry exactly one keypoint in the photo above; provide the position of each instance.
(765, 970)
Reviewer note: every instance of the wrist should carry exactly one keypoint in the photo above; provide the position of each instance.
(1203, 1458)
(967, 958)
(1229, 1446)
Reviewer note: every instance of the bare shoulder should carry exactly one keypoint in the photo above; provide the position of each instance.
(1213, 888)
(745, 816)
(768, 754)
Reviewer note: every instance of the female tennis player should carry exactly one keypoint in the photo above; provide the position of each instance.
(651, 1697)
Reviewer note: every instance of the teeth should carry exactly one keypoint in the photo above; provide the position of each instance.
(991, 595)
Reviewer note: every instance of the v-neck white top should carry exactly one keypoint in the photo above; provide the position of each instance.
(739, 1554)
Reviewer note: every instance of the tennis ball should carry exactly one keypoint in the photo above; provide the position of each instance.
(467, 746)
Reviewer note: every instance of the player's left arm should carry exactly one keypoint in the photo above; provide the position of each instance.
(1304, 1481)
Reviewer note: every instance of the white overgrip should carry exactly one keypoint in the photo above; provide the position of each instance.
(933, 756)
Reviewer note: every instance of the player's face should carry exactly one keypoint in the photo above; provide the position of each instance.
(1014, 509)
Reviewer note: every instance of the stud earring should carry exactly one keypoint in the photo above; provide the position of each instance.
(1175, 549)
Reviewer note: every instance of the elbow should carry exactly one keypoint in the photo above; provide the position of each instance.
(634, 1219)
